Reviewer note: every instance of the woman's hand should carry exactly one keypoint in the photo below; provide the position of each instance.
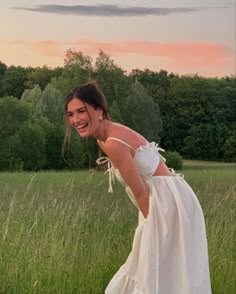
(143, 203)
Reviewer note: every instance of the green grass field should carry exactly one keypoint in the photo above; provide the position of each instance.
(61, 232)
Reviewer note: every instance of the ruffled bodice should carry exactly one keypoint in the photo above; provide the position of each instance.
(146, 158)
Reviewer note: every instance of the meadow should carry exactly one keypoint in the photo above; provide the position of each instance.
(62, 232)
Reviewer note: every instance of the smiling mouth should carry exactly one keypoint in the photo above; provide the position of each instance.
(81, 127)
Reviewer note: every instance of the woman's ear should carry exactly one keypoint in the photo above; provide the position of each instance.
(100, 113)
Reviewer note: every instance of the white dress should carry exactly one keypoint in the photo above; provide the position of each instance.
(169, 253)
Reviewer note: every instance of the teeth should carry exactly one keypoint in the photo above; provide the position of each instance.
(81, 126)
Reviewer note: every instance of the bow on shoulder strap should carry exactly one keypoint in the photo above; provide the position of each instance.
(155, 145)
(110, 171)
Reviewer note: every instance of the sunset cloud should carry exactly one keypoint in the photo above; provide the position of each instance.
(185, 55)
(175, 49)
(44, 47)
(107, 10)
(121, 47)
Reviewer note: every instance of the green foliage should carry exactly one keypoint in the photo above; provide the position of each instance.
(54, 134)
(111, 78)
(115, 112)
(9, 154)
(229, 149)
(13, 113)
(141, 113)
(205, 141)
(174, 160)
(74, 57)
(3, 68)
(24, 148)
(77, 70)
(13, 81)
(156, 83)
(190, 114)
(34, 98)
(188, 101)
(52, 104)
(81, 153)
(42, 76)
(48, 103)
(32, 146)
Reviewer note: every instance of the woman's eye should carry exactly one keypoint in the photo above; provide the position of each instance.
(81, 111)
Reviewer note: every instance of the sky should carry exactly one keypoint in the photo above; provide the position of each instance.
(179, 36)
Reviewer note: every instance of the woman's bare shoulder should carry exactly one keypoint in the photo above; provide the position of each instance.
(126, 134)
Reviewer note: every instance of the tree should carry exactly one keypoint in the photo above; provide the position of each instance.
(81, 153)
(52, 104)
(205, 141)
(13, 81)
(157, 84)
(112, 79)
(32, 146)
(115, 112)
(48, 103)
(229, 149)
(54, 134)
(42, 76)
(77, 70)
(3, 68)
(9, 153)
(13, 113)
(142, 114)
(34, 98)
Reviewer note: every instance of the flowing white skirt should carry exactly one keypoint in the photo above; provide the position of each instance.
(169, 253)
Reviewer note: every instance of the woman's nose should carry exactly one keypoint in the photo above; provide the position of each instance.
(75, 119)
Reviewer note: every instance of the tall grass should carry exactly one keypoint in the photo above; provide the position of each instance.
(61, 232)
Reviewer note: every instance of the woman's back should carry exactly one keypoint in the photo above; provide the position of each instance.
(146, 155)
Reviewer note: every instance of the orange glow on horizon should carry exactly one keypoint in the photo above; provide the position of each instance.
(176, 56)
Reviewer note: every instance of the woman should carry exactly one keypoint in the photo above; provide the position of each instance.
(169, 253)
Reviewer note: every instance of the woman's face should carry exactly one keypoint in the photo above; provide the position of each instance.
(83, 117)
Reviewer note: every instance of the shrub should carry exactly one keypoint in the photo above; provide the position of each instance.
(229, 149)
(174, 160)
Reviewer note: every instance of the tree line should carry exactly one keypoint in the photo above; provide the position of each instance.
(190, 114)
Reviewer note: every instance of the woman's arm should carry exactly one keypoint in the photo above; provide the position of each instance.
(121, 157)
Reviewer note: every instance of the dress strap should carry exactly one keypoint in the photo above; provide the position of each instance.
(110, 171)
(176, 174)
(116, 139)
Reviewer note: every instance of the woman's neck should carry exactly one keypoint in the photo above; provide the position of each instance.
(102, 131)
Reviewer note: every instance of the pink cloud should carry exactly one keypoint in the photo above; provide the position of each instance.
(177, 55)
(88, 46)
(44, 47)
(49, 48)
(191, 56)
(155, 48)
